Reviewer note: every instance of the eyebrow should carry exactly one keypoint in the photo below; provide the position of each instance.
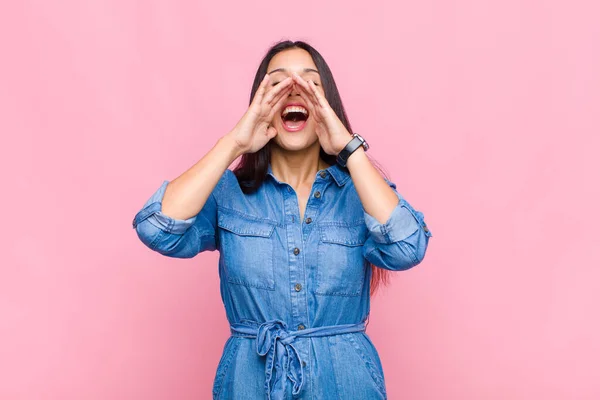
(285, 69)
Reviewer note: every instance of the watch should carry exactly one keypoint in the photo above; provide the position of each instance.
(355, 143)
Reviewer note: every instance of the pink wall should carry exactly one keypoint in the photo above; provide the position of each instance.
(486, 114)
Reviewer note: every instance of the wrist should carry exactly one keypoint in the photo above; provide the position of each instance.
(230, 146)
(356, 157)
(357, 143)
(342, 144)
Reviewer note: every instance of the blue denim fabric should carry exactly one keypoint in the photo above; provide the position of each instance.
(296, 292)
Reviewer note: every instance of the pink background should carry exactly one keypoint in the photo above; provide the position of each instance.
(486, 115)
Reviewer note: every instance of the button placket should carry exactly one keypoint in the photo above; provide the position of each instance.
(296, 260)
(297, 266)
(313, 204)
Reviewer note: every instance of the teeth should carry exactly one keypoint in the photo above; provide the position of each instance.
(290, 109)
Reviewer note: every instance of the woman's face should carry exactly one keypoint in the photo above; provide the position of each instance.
(295, 126)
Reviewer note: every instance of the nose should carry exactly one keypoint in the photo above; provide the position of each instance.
(295, 91)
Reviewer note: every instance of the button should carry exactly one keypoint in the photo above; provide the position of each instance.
(301, 327)
(317, 194)
(323, 174)
(296, 251)
(308, 220)
(303, 363)
(298, 287)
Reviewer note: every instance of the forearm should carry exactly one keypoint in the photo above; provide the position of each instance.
(377, 197)
(186, 195)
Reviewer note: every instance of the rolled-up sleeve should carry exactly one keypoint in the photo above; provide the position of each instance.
(179, 238)
(399, 243)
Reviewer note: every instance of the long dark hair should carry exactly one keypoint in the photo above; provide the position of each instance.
(251, 171)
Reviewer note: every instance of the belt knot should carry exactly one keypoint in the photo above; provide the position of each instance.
(275, 341)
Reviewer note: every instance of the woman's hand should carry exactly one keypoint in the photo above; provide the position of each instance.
(254, 130)
(333, 135)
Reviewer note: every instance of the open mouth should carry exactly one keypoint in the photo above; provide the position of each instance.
(294, 117)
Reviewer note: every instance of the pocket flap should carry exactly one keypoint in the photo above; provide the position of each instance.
(347, 235)
(244, 225)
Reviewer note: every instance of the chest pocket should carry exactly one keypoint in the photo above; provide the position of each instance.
(341, 267)
(246, 246)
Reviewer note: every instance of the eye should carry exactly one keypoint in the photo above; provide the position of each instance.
(274, 83)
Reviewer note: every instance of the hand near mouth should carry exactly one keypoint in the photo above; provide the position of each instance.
(254, 129)
(333, 135)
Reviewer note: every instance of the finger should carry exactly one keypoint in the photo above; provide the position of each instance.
(308, 99)
(309, 103)
(280, 98)
(280, 102)
(304, 86)
(283, 94)
(322, 101)
(260, 92)
(308, 95)
(270, 96)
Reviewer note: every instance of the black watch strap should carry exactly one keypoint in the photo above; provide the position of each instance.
(351, 147)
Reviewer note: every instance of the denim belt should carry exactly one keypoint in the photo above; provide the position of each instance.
(275, 341)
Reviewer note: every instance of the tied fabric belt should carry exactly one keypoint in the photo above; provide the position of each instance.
(275, 341)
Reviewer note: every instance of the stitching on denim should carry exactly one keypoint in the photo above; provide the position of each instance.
(266, 285)
(250, 217)
(410, 251)
(368, 255)
(418, 215)
(318, 268)
(342, 223)
(369, 364)
(362, 236)
(144, 214)
(198, 236)
(158, 236)
(261, 228)
(330, 339)
(243, 283)
(225, 367)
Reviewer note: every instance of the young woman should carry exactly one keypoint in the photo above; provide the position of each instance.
(306, 227)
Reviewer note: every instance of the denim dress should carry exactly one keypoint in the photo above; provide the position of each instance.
(295, 291)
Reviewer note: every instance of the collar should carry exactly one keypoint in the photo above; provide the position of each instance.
(340, 174)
